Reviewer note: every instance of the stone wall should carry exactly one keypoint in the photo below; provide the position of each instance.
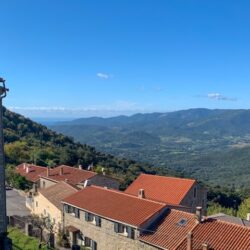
(200, 199)
(105, 236)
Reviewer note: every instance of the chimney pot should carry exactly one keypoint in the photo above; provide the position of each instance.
(24, 166)
(198, 214)
(66, 180)
(86, 183)
(189, 241)
(27, 169)
(80, 167)
(141, 193)
(205, 246)
(248, 216)
(61, 171)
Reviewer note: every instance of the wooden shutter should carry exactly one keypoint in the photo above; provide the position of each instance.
(131, 233)
(116, 227)
(86, 216)
(93, 245)
(98, 221)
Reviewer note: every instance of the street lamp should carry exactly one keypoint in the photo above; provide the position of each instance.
(4, 243)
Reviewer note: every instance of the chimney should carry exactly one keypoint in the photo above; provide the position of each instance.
(24, 166)
(86, 183)
(48, 171)
(66, 180)
(205, 246)
(103, 171)
(189, 241)
(141, 193)
(198, 214)
(80, 167)
(248, 216)
(27, 169)
(61, 171)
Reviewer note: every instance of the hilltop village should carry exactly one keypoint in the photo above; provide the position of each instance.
(87, 209)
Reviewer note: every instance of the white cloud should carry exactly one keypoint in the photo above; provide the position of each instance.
(103, 76)
(220, 97)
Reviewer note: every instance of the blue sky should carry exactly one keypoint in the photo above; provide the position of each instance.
(81, 58)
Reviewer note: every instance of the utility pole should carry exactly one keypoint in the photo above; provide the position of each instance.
(4, 241)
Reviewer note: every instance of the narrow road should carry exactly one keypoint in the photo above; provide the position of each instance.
(16, 204)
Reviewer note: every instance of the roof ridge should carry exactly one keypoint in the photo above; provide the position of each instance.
(227, 222)
(125, 194)
(166, 176)
(85, 170)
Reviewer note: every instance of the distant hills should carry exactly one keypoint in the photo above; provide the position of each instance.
(28, 141)
(212, 145)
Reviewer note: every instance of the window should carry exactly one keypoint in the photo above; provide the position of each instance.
(92, 218)
(44, 211)
(36, 203)
(90, 243)
(43, 184)
(124, 230)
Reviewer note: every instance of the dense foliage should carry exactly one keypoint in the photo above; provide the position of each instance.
(210, 145)
(27, 141)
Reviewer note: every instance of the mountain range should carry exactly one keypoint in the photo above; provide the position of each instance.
(211, 145)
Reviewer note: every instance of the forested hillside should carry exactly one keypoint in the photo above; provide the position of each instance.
(27, 141)
(211, 145)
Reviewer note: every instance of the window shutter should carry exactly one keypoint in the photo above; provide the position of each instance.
(98, 221)
(116, 227)
(86, 216)
(93, 245)
(66, 208)
(131, 233)
(77, 213)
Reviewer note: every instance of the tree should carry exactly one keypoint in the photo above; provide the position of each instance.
(43, 223)
(244, 208)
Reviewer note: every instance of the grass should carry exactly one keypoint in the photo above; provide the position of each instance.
(23, 242)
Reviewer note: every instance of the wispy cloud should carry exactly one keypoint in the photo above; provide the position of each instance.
(220, 97)
(104, 76)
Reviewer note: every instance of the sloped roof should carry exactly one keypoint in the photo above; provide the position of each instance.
(33, 173)
(219, 235)
(71, 174)
(56, 193)
(232, 219)
(114, 205)
(161, 188)
(169, 233)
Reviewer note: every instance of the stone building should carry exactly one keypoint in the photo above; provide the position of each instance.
(76, 177)
(176, 192)
(106, 219)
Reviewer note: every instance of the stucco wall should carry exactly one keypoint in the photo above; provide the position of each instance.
(41, 204)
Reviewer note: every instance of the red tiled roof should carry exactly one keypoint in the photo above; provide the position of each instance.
(161, 188)
(56, 193)
(168, 234)
(34, 172)
(219, 235)
(114, 205)
(71, 174)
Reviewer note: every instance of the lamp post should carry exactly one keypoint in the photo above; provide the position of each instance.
(3, 216)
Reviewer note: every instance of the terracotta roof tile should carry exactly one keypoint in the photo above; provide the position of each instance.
(71, 174)
(30, 172)
(56, 193)
(219, 235)
(114, 205)
(168, 234)
(161, 188)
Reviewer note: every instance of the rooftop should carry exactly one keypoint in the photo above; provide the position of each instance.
(114, 205)
(30, 171)
(232, 219)
(70, 174)
(171, 231)
(56, 193)
(219, 235)
(161, 188)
